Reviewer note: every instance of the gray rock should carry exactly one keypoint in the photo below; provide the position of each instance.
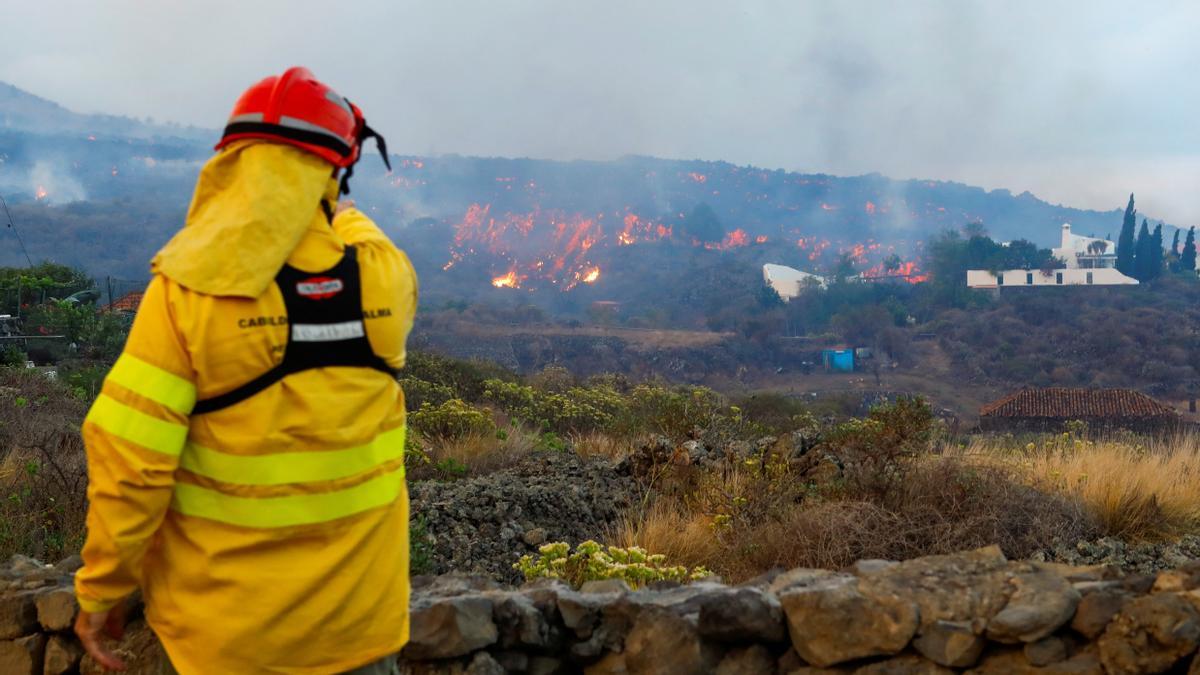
(534, 537)
(484, 664)
(451, 627)
(1046, 651)
(741, 615)
(18, 614)
(521, 623)
(662, 643)
(1042, 603)
(832, 622)
(905, 664)
(752, 660)
(23, 656)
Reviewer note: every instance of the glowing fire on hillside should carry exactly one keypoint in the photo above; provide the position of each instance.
(509, 280)
(41, 193)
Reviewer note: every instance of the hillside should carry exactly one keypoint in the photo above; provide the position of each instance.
(117, 188)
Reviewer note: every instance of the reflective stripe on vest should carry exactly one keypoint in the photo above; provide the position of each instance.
(291, 468)
(290, 510)
(282, 468)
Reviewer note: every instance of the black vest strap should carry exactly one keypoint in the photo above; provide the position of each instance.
(325, 328)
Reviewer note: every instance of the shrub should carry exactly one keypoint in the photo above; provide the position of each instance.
(673, 412)
(579, 409)
(418, 392)
(43, 470)
(877, 450)
(593, 562)
(451, 420)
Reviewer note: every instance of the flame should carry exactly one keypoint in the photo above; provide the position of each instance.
(907, 271)
(41, 193)
(869, 207)
(591, 276)
(760, 239)
(509, 280)
(828, 207)
(697, 177)
(732, 240)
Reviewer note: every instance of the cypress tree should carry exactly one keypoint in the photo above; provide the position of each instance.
(1175, 243)
(1187, 259)
(1156, 252)
(1142, 253)
(1125, 243)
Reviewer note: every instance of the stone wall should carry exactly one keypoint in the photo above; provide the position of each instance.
(972, 612)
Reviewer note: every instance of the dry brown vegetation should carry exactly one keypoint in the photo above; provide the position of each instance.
(742, 526)
(43, 470)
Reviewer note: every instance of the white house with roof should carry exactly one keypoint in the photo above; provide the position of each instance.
(1088, 261)
(1080, 252)
(789, 282)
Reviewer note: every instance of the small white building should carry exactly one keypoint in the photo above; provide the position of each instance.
(1079, 252)
(1100, 276)
(788, 282)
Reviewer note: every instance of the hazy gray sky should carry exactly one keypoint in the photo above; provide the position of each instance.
(1080, 102)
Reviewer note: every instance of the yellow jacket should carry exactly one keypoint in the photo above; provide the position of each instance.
(270, 536)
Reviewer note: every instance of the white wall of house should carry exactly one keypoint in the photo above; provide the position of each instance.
(1105, 276)
(787, 281)
(1078, 251)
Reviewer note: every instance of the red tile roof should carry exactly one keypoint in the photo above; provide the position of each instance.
(127, 303)
(1063, 403)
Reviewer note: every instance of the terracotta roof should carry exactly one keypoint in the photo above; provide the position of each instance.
(127, 303)
(1063, 403)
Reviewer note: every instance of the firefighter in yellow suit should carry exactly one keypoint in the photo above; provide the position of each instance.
(246, 453)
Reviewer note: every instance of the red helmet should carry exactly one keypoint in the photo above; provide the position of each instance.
(296, 109)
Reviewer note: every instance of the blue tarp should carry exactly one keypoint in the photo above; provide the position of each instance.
(839, 360)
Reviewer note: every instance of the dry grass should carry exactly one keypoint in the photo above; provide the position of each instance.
(940, 505)
(473, 455)
(43, 470)
(1147, 491)
(602, 445)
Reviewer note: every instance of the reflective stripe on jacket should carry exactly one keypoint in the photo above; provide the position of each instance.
(270, 536)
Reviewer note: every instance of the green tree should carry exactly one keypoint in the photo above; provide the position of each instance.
(1142, 253)
(1156, 253)
(703, 225)
(1175, 243)
(1187, 259)
(1125, 244)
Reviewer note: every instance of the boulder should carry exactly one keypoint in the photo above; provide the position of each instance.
(663, 643)
(1096, 608)
(62, 655)
(752, 660)
(451, 627)
(1045, 651)
(521, 624)
(23, 656)
(1042, 603)
(18, 615)
(1150, 634)
(905, 664)
(56, 608)
(741, 615)
(956, 644)
(832, 621)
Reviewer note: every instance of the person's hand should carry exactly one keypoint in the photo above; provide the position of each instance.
(90, 628)
(342, 205)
